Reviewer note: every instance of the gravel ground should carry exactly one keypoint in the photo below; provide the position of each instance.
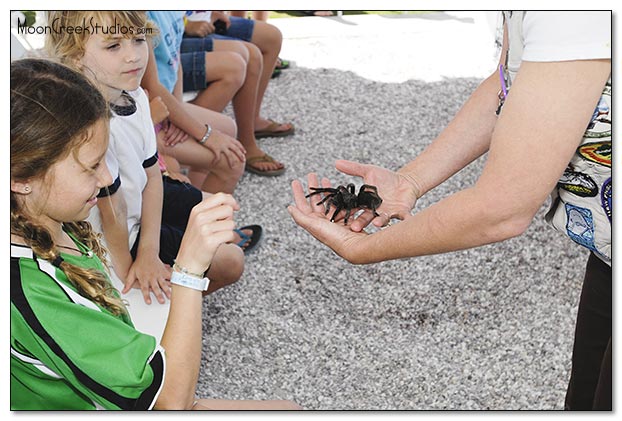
(489, 328)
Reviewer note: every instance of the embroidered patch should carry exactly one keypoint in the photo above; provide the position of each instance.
(580, 226)
(599, 152)
(578, 183)
(605, 197)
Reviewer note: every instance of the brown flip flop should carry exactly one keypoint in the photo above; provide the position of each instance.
(271, 130)
(258, 159)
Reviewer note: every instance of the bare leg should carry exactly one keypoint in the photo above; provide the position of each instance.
(225, 72)
(244, 101)
(227, 267)
(239, 13)
(261, 15)
(268, 39)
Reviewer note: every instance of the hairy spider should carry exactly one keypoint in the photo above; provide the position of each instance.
(344, 197)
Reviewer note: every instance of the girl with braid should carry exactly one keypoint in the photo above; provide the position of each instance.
(73, 345)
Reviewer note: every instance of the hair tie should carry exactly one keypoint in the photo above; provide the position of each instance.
(57, 261)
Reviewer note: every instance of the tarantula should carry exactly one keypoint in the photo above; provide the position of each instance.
(344, 197)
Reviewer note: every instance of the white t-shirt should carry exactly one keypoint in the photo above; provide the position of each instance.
(557, 36)
(132, 148)
(582, 201)
(200, 15)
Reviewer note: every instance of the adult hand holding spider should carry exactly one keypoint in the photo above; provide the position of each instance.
(399, 193)
(312, 216)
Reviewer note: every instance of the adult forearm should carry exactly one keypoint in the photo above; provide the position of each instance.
(465, 139)
(464, 220)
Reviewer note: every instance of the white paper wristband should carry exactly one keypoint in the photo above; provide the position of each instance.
(188, 281)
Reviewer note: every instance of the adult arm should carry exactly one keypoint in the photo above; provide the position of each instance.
(464, 139)
(530, 148)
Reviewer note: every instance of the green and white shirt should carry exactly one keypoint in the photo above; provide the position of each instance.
(67, 352)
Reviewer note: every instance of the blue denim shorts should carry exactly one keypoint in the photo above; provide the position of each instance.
(193, 51)
(240, 29)
(193, 69)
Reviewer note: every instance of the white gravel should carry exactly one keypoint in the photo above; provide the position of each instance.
(490, 328)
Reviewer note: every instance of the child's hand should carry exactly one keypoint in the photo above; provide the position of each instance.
(199, 28)
(221, 144)
(159, 111)
(218, 15)
(173, 134)
(210, 225)
(150, 275)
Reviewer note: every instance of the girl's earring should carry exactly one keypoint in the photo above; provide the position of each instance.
(26, 189)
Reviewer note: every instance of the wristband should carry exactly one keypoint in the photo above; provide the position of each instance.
(188, 281)
(207, 134)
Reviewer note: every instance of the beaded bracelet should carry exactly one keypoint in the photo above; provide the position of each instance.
(185, 271)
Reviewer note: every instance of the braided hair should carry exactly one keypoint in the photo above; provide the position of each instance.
(52, 110)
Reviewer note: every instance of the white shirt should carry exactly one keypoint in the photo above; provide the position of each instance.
(132, 145)
(545, 36)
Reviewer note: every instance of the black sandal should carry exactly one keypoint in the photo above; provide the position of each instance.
(254, 238)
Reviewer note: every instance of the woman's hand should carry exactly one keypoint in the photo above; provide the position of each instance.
(311, 216)
(398, 192)
(210, 225)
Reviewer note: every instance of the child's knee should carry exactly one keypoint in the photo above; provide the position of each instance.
(227, 265)
(255, 61)
(236, 70)
(272, 35)
(229, 127)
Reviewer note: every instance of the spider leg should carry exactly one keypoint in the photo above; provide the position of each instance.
(332, 218)
(364, 187)
(328, 196)
(318, 190)
(345, 222)
(373, 210)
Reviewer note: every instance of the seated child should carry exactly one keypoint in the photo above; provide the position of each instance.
(141, 243)
(73, 345)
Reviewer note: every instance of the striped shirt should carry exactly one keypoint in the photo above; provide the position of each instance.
(69, 353)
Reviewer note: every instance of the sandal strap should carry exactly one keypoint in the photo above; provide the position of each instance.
(244, 238)
(264, 158)
(273, 125)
